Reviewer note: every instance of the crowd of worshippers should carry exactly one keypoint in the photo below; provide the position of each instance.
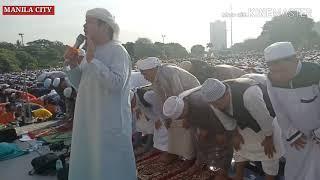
(35, 96)
(249, 61)
(209, 115)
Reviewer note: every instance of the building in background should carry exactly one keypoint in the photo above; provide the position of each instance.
(218, 35)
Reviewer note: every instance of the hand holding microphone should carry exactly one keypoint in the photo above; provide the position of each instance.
(72, 56)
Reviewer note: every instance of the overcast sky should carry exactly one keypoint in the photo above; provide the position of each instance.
(182, 21)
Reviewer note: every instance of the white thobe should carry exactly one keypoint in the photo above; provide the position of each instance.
(101, 139)
(296, 118)
(160, 136)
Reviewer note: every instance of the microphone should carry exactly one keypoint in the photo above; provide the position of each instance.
(75, 49)
(80, 39)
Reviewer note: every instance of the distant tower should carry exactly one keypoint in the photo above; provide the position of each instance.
(218, 35)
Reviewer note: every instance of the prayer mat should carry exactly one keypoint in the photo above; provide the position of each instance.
(150, 160)
(34, 127)
(147, 155)
(58, 137)
(51, 130)
(155, 169)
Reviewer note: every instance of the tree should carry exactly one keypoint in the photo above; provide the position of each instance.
(130, 48)
(144, 48)
(291, 26)
(9, 46)
(316, 27)
(48, 53)
(26, 60)
(143, 41)
(8, 61)
(175, 50)
(197, 50)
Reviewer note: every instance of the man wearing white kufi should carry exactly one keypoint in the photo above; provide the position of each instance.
(169, 80)
(294, 91)
(160, 133)
(143, 120)
(101, 145)
(243, 107)
(51, 75)
(210, 137)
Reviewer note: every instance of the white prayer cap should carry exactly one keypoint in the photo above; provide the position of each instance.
(212, 90)
(186, 65)
(149, 63)
(278, 50)
(56, 82)
(67, 92)
(47, 83)
(173, 107)
(149, 96)
(106, 16)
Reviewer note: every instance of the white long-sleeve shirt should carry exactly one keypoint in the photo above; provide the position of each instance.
(254, 103)
(252, 148)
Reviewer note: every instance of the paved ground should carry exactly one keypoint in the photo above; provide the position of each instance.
(18, 168)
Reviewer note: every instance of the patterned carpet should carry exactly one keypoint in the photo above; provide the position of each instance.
(150, 167)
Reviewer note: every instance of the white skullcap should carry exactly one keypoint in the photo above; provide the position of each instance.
(47, 83)
(278, 50)
(149, 96)
(149, 63)
(56, 82)
(173, 107)
(67, 92)
(42, 76)
(186, 65)
(106, 16)
(212, 90)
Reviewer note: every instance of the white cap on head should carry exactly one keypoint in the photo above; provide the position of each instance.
(106, 16)
(47, 83)
(67, 92)
(278, 50)
(212, 90)
(149, 63)
(173, 107)
(56, 82)
(186, 65)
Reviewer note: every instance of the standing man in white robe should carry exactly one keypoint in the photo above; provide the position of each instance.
(294, 91)
(101, 141)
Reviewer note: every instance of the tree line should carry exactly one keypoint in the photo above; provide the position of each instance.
(297, 28)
